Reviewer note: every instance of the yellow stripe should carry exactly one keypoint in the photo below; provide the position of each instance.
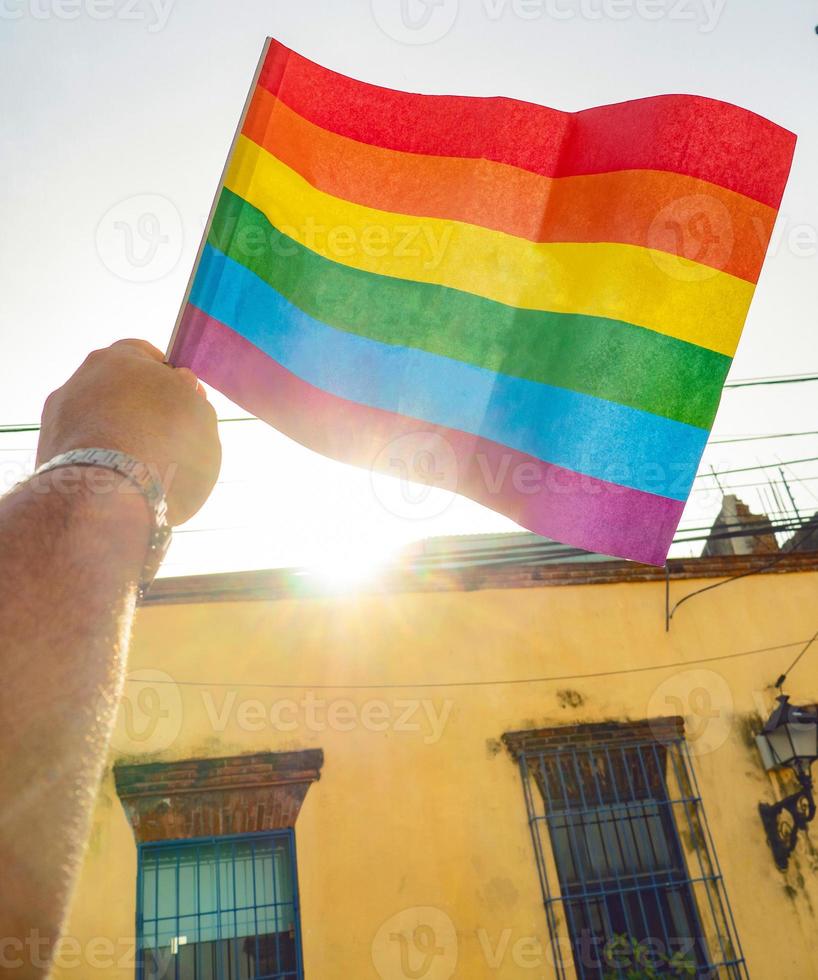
(652, 289)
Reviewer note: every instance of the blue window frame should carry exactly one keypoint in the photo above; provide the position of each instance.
(626, 862)
(219, 908)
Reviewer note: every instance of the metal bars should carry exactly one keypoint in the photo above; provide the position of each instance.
(629, 877)
(219, 908)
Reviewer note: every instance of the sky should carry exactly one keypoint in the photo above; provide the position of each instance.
(115, 120)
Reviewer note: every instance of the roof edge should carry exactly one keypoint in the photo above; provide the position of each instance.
(289, 583)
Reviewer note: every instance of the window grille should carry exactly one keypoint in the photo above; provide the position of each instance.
(629, 875)
(219, 908)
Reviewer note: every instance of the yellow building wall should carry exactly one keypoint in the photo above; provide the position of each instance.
(419, 816)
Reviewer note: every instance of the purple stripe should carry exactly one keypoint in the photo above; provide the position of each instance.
(558, 503)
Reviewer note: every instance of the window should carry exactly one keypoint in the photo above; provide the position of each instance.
(221, 908)
(625, 857)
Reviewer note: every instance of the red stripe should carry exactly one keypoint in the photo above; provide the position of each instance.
(632, 207)
(687, 134)
(559, 503)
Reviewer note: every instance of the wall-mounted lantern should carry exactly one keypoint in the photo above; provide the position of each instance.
(789, 740)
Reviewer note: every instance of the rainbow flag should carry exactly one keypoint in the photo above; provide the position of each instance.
(533, 307)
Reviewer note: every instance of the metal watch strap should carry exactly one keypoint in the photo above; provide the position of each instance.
(141, 477)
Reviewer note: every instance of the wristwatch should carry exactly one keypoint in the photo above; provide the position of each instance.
(142, 478)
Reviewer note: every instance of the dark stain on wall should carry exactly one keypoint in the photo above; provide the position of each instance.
(568, 698)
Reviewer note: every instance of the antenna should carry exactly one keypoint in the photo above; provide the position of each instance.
(789, 494)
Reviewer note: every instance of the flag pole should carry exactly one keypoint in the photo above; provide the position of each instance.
(213, 207)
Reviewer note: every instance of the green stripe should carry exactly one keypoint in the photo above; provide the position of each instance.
(606, 358)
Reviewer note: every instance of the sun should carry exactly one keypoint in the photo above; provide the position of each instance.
(347, 568)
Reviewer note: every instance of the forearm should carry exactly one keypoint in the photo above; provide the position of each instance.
(72, 546)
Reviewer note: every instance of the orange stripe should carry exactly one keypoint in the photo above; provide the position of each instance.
(668, 212)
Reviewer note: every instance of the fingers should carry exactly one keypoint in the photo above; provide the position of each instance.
(140, 347)
(186, 375)
(189, 378)
(148, 350)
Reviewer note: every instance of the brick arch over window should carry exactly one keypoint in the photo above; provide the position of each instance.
(213, 797)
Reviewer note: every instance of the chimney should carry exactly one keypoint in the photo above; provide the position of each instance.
(729, 536)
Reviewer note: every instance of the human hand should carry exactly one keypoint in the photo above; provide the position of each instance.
(124, 397)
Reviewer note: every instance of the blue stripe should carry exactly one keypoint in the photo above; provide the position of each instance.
(590, 435)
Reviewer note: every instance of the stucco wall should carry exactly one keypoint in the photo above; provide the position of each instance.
(419, 813)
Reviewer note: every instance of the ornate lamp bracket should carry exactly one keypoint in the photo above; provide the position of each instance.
(783, 820)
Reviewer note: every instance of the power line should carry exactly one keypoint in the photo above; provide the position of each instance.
(669, 611)
(758, 466)
(762, 528)
(792, 523)
(757, 486)
(460, 684)
(780, 682)
(771, 435)
(739, 383)
(35, 426)
(782, 379)
(699, 476)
